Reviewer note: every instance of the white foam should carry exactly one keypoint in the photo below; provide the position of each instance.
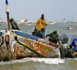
(75, 59)
(44, 60)
(48, 60)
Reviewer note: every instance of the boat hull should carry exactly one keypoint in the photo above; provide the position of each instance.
(16, 44)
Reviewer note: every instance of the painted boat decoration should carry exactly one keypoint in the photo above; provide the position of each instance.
(16, 44)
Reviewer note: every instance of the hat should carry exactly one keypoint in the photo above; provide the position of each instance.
(42, 16)
(55, 31)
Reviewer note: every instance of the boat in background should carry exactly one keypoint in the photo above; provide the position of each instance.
(74, 21)
(64, 21)
(25, 22)
(70, 27)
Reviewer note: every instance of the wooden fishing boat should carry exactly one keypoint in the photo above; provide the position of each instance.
(16, 44)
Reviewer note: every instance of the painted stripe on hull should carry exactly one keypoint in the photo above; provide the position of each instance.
(0, 33)
(26, 35)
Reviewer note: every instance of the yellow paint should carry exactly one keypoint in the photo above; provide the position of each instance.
(75, 53)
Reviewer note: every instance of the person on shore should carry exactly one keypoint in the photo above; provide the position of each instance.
(14, 24)
(53, 37)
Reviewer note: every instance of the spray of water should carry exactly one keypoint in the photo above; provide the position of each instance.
(44, 60)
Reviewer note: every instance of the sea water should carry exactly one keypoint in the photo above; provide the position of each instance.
(44, 63)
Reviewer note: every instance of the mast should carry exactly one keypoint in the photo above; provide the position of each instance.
(7, 13)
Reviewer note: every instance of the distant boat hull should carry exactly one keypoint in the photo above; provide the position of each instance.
(70, 27)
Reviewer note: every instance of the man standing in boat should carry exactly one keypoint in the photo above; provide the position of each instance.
(41, 25)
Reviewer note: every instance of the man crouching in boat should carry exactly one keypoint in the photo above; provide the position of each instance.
(40, 34)
(54, 37)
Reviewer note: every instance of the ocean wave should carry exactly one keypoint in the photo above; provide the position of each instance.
(44, 60)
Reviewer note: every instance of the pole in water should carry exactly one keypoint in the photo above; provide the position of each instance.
(7, 12)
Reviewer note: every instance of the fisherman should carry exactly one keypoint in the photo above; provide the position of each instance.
(34, 33)
(42, 33)
(53, 37)
(39, 30)
(41, 23)
(70, 53)
(65, 50)
(14, 24)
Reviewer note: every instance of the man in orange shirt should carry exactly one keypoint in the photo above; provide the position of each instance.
(41, 23)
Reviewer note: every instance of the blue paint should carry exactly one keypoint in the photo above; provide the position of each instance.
(0, 33)
(26, 35)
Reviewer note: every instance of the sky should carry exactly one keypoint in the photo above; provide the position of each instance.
(55, 10)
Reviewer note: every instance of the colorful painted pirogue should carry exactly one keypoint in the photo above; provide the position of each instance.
(16, 44)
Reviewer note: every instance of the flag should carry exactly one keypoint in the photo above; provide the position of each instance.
(7, 8)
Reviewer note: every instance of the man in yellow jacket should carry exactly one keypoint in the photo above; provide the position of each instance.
(41, 23)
